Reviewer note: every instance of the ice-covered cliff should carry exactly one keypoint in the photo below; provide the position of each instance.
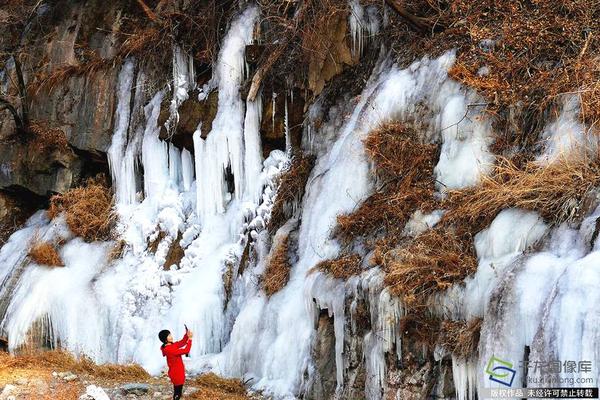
(197, 170)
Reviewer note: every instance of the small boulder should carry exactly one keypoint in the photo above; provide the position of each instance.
(69, 377)
(7, 391)
(93, 392)
(135, 388)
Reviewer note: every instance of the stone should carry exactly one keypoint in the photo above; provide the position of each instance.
(22, 381)
(7, 391)
(135, 388)
(93, 392)
(69, 377)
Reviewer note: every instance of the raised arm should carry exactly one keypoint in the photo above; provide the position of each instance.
(174, 350)
(182, 342)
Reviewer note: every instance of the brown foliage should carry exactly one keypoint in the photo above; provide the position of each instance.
(461, 338)
(46, 139)
(433, 261)
(88, 209)
(175, 253)
(343, 267)
(555, 190)
(44, 253)
(404, 167)
(278, 269)
(445, 255)
(58, 359)
(214, 387)
(290, 190)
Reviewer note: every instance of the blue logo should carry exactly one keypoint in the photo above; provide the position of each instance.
(500, 371)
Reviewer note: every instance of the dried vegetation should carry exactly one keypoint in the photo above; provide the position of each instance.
(278, 269)
(61, 360)
(212, 386)
(343, 267)
(88, 209)
(45, 253)
(404, 172)
(290, 190)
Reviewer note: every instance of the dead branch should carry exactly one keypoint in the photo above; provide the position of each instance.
(149, 13)
(417, 23)
(262, 71)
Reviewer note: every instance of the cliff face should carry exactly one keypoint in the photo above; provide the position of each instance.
(320, 190)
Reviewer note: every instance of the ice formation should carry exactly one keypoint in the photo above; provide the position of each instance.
(216, 201)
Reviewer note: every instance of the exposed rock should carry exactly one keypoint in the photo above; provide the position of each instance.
(330, 53)
(191, 113)
(54, 170)
(272, 126)
(93, 392)
(135, 388)
(324, 376)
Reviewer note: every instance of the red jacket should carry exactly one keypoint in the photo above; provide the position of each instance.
(173, 352)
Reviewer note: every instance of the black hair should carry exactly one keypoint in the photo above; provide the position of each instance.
(163, 335)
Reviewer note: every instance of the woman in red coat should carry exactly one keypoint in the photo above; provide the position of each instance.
(173, 351)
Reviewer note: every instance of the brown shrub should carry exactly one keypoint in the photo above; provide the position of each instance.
(445, 255)
(277, 273)
(461, 338)
(555, 190)
(88, 209)
(290, 190)
(343, 267)
(421, 327)
(46, 139)
(175, 253)
(404, 168)
(61, 360)
(432, 262)
(214, 387)
(44, 253)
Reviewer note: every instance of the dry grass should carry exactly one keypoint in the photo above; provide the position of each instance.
(45, 253)
(88, 209)
(45, 139)
(214, 387)
(421, 327)
(445, 255)
(175, 253)
(556, 191)
(63, 361)
(461, 338)
(290, 190)
(343, 267)
(277, 273)
(404, 170)
(432, 262)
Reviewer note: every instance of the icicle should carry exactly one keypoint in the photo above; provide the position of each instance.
(116, 150)
(273, 99)
(175, 167)
(187, 169)
(464, 374)
(184, 81)
(252, 150)
(224, 146)
(356, 20)
(288, 141)
(154, 152)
